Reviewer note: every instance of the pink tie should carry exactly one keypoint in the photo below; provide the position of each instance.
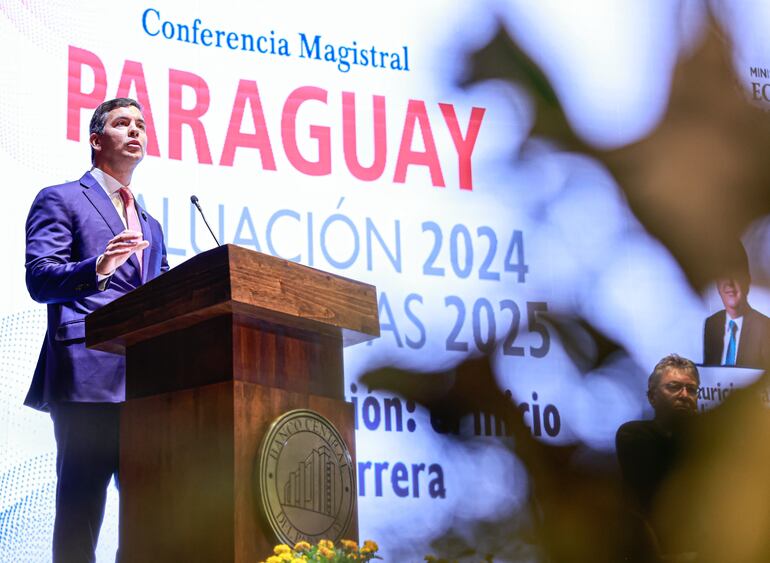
(132, 218)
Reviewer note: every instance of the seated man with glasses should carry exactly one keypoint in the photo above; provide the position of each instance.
(648, 450)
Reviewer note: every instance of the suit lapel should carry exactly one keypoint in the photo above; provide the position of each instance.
(101, 201)
(746, 343)
(717, 337)
(104, 206)
(147, 232)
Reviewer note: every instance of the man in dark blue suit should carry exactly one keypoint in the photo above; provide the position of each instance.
(88, 243)
(738, 335)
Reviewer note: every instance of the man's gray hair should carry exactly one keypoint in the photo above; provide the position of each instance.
(672, 361)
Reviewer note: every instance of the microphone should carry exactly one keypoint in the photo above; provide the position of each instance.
(194, 201)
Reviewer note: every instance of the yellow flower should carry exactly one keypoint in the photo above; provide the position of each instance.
(369, 547)
(325, 551)
(286, 556)
(302, 546)
(281, 548)
(350, 545)
(298, 560)
(273, 559)
(326, 543)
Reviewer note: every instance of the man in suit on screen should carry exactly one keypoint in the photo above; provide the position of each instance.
(88, 243)
(737, 335)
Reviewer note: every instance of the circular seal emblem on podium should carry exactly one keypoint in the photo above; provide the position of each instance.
(305, 477)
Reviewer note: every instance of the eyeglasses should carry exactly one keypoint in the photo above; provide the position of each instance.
(676, 386)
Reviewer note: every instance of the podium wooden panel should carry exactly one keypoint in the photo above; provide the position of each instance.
(216, 349)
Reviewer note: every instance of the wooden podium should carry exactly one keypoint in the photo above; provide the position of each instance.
(216, 349)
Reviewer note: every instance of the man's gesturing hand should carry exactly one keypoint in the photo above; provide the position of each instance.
(119, 249)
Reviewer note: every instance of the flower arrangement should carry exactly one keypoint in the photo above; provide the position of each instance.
(325, 552)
